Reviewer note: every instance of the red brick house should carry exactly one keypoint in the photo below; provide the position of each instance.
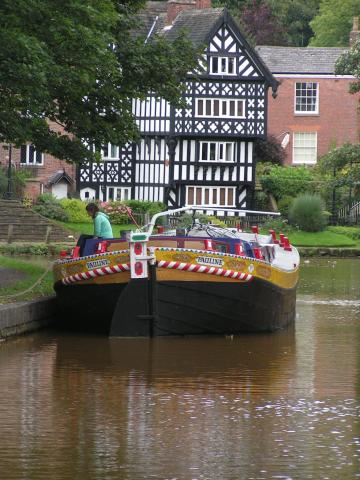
(47, 174)
(314, 109)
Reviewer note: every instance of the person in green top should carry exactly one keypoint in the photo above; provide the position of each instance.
(102, 226)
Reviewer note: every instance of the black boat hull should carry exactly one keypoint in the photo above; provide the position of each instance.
(144, 308)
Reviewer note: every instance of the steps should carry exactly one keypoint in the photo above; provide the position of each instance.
(21, 224)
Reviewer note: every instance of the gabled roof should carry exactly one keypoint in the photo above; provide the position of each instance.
(196, 23)
(58, 176)
(301, 60)
(154, 13)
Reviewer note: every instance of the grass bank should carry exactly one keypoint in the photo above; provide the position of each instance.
(88, 228)
(17, 276)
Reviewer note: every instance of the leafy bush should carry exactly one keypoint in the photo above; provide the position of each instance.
(75, 210)
(286, 181)
(49, 206)
(284, 205)
(18, 181)
(278, 224)
(307, 212)
(141, 206)
(351, 232)
(116, 212)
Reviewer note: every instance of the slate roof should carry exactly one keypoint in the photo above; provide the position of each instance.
(147, 16)
(197, 24)
(301, 60)
(59, 175)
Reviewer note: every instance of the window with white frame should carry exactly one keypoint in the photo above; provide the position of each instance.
(210, 196)
(307, 97)
(216, 152)
(305, 147)
(29, 156)
(213, 107)
(222, 65)
(110, 152)
(118, 193)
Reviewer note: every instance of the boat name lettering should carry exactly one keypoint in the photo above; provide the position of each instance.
(97, 264)
(210, 261)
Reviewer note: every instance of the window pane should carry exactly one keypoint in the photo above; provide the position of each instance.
(214, 196)
(198, 196)
(224, 107)
(204, 150)
(200, 107)
(221, 152)
(207, 197)
(216, 108)
(215, 65)
(190, 196)
(240, 108)
(105, 151)
(222, 196)
(31, 154)
(232, 108)
(223, 65)
(229, 152)
(231, 64)
(114, 149)
(208, 107)
(230, 197)
(111, 193)
(212, 151)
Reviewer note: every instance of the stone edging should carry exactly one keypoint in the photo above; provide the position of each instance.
(22, 317)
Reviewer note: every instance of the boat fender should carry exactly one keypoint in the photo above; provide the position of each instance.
(239, 249)
(208, 245)
(76, 252)
(102, 247)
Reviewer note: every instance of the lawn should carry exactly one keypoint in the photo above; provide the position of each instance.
(88, 228)
(325, 238)
(23, 275)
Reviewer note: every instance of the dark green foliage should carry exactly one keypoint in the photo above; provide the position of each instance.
(18, 181)
(142, 206)
(349, 64)
(261, 201)
(48, 206)
(308, 213)
(57, 65)
(269, 150)
(333, 23)
(284, 205)
(287, 181)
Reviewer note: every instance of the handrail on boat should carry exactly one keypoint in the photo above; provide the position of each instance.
(193, 208)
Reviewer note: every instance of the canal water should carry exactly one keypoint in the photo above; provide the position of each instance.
(278, 406)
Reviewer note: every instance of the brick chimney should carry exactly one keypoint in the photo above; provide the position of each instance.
(354, 34)
(174, 7)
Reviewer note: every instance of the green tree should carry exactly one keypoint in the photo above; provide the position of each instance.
(333, 23)
(349, 64)
(295, 17)
(70, 68)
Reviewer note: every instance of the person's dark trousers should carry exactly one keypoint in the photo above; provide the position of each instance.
(81, 242)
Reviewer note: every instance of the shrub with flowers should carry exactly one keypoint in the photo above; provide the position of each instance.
(116, 212)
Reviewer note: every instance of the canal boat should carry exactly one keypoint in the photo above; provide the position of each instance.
(202, 280)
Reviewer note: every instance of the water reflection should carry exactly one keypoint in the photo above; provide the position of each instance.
(251, 407)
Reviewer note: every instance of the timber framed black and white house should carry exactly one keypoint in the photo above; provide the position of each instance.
(201, 154)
